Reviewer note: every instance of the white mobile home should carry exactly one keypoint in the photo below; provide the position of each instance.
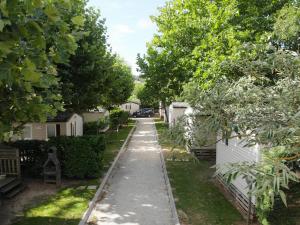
(64, 124)
(203, 148)
(176, 111)
(233, 151)
(131, 107)
(94, 116)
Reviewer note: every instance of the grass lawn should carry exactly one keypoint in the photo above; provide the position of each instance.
(67, 206)
(198, 201)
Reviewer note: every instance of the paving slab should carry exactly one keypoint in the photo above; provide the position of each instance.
(136, 193)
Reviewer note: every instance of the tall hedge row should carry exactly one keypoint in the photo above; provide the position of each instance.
(80, 157)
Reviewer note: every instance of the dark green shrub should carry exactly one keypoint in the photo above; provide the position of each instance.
(90, 128)
(33, 154)
(93, 128)
(118, 117)
(124, 117)
(81, 157)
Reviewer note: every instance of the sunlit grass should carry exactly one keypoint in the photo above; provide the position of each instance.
(198, 200)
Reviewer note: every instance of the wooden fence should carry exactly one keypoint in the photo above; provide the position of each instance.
(9, 161)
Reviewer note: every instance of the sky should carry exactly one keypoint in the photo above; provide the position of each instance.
(128, 25)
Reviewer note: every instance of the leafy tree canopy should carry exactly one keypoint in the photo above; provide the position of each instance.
(35, 36)
(86, 80)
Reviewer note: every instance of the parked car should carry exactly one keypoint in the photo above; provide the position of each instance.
(145, 112)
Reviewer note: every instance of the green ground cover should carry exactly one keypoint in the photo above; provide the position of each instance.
(198, 200)
(67, 206)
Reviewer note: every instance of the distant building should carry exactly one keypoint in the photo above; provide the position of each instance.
(176, 110)
(64, 124)
(94, 116)
(131, 106)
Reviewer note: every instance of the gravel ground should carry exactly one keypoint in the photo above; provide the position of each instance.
(137, 193)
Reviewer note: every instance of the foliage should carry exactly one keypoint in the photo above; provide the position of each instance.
(232, 59)
(35, 155)
(93, 128)
(68, 205)
(262, 108)
(146, 98)
(118, 117)
(81, 157)
(138, 87)
(86, 79)
(191, 178)
(287, 27)
(30, 50)
(120, 84)
(195, 38)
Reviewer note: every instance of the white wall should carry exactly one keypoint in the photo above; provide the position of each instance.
(130, 107)
(93, 116)
(175, 113)
(191, 131)
(79, 125)
(236, 152)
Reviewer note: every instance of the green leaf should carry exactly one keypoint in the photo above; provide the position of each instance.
(52, 13)
(78, 20)
(30, 75)
(2, 25)
(283, 197)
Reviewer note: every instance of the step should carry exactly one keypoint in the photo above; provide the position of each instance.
(52, 173)
(15, 191)
(10, 186)
(6, 181)
(50, 181)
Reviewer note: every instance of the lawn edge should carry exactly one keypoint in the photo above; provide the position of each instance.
(175, 217)
(104, 181)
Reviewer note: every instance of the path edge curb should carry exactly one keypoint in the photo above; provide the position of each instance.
(167, 181)
(104, 181)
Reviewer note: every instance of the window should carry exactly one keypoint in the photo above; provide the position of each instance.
(27, 132)
(51, 130)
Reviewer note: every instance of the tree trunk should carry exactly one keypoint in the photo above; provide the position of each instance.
(166, 113)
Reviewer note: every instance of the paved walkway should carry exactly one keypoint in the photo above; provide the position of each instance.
(137, 192)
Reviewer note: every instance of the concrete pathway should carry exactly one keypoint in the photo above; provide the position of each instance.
(137, 192)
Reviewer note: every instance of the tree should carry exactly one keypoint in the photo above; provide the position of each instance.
(146, 98)
(84, 81)
(30, 49)
(236, 68)
(120, 84)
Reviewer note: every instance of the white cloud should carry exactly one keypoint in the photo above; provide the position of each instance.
(121, 30)
(145, 23)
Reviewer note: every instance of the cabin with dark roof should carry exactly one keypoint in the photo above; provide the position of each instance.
(63, 124)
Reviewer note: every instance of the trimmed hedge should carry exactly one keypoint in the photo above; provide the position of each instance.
(118, 117)
(80, 157)
(92, 128)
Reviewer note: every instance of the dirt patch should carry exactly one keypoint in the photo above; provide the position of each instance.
(35, 193)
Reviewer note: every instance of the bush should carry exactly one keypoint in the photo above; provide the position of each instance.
(80, 157)
(33, 155)
(118, 117)
(90, 128)
(93, 128)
